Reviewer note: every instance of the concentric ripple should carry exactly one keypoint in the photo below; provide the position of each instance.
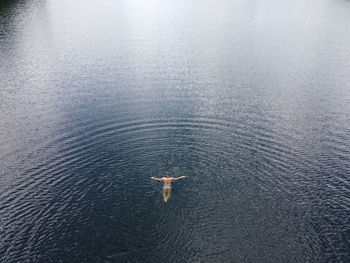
(97, 97)
(97, 177)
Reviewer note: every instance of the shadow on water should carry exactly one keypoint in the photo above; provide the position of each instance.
(9, 10)
(7, 5)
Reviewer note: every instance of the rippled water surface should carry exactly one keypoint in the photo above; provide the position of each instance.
(249, 99)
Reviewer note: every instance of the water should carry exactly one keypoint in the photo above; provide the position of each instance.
(248, 99)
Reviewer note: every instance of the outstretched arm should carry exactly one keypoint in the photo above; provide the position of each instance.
(178, 178)
(158, 179)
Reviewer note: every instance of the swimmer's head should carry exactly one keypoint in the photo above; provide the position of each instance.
(167, 175)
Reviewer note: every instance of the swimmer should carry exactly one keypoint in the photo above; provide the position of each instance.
(167, 185)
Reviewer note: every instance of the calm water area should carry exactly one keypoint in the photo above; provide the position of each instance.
(249, 99)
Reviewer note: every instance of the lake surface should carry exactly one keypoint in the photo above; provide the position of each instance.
(249, 99)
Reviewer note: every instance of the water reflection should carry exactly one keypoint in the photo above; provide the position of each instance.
(247, 99)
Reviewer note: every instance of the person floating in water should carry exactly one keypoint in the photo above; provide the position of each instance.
(167, 185)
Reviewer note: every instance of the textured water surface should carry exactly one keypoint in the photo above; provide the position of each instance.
(250, 100)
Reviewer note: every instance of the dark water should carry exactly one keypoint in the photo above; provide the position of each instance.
(248, 99)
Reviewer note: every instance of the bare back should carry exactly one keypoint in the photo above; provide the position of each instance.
(167, 180)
